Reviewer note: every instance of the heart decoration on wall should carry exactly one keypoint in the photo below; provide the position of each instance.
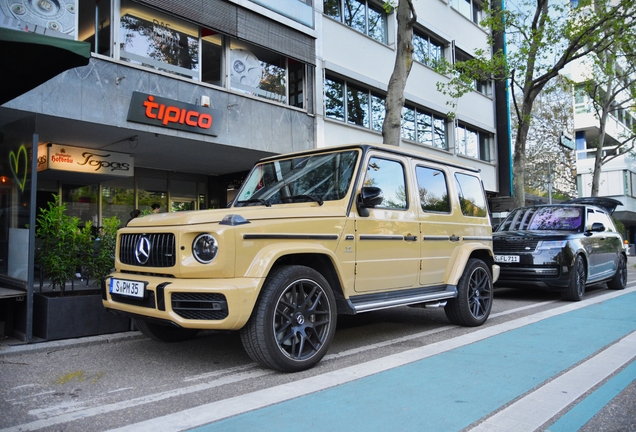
(19, 166)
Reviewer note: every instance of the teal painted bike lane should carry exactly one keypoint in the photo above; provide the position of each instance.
(452, 390)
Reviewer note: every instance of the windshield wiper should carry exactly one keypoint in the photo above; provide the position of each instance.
(305, 197)
(256, 201)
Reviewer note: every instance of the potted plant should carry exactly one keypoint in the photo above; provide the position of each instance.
(63, 248)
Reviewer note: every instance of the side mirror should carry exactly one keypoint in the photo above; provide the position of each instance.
(598, 227)
(369, 197)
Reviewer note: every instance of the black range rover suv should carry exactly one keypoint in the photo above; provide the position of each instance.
(561, 247)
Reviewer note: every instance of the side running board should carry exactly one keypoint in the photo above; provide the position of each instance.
(371, 302)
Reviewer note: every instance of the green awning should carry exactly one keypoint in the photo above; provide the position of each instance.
(29, 59)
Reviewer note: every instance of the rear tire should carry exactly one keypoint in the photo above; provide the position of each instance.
(294, 321)
(474, 298)
(576, 289)
(619, 281)
(161, 333)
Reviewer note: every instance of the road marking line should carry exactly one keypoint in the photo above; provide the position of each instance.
(103, 409)
(226, 408)
(536, 408)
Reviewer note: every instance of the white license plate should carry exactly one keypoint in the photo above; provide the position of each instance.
(507, 258)
(127, 288)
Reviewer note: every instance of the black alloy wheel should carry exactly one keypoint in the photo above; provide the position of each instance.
(619, 281)
(473, 303)
(576, 289)
(294, 321)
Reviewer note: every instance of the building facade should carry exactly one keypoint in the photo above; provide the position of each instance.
(180, 98)
(618, 175)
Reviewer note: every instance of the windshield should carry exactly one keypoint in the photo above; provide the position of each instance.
(318, 178)
(548, 218)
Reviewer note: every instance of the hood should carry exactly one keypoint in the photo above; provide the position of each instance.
(287, 211)
(607, 204)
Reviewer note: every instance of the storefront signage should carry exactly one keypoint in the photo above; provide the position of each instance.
(76, 159)
(162, 112)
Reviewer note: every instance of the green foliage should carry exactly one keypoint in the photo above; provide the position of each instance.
(61, 243)
(64, 247)
(102, 254)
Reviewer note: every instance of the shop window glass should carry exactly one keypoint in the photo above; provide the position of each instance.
(82, 203)
(211, 57)
(157, 40)
(334, 99)
(257, 71)
(94, 25)
(357, 106)
(118, 199)
(152, 188)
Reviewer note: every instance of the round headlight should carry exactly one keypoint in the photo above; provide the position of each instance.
(205, 248)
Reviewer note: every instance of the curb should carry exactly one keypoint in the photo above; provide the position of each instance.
(69, 343)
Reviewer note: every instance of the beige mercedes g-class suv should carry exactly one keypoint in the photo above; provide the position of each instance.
(309, 236)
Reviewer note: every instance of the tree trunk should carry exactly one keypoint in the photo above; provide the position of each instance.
(392, 125)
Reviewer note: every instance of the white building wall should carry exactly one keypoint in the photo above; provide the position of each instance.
(345, 52)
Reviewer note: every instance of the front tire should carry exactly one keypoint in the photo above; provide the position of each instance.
(576, 289)
(161, 333)
(294, 321)
(619, 281)
(474, 298)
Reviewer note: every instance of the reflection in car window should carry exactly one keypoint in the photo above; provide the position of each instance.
(433, 190)
(548, 218)
(598, 216)
(471, 195)
(324, 177)
(388, 175)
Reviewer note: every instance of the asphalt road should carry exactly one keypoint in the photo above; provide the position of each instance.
(406, 368)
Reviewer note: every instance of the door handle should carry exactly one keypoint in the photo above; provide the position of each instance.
(410, 238)
(454, 238)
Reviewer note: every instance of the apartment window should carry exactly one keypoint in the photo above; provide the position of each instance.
(471, 9)
(156, 40)
(427, 50)
(358, 105)
(366, 17)
(424, 127)
(483, 86)
(163, 42)
(473, 143)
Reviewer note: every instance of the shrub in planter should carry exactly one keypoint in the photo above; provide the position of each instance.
(62, 244)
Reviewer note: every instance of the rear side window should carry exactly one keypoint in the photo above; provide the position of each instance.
(433, 190)
(471, 195)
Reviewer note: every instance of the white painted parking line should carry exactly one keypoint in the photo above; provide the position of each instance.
(538, 407)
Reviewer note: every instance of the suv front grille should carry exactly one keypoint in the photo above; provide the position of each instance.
(162, 250)
(513, 245)
(200, 306)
